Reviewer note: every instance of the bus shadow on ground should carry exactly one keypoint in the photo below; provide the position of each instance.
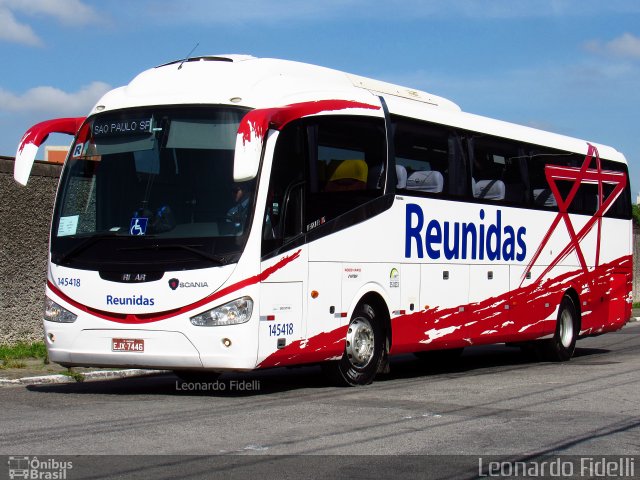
(474, 361)
(477, 360)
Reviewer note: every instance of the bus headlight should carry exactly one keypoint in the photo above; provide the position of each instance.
(55, 313)
(232, 313)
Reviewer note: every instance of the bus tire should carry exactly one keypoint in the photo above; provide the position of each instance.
(363, 352)
(560, 348)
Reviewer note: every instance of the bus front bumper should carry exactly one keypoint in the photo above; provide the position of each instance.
(137, 348)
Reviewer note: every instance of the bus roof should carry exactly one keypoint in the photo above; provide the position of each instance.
(252, 82)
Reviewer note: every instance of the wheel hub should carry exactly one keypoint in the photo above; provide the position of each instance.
(360, 342)
(566, 329)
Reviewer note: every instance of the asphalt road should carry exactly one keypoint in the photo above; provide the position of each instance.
(495, 401)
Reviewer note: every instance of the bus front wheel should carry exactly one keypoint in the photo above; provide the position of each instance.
(363, 352)
(560, 348)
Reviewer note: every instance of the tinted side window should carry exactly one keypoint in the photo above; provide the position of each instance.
(322, 168)
(430, 159)
(621, 207)
(345, 166)
(284, 220)
(585, 199)
(497, 170)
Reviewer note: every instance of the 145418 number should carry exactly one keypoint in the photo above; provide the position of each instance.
(68, 282)
(280, 329)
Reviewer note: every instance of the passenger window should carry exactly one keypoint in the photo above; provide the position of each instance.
(621, 207)
(346, 167)
(584, 201)
(322, 169)
(429, 159)
(497, 173)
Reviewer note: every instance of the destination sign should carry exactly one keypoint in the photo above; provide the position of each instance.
(130, 126)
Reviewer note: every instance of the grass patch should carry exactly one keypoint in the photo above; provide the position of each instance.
(23, 350)
(77, 376)
(636, 305)
(12, 363)
(13, 356)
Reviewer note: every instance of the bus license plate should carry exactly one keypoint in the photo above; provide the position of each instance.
(127, 345)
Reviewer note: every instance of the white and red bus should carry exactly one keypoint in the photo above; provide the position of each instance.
(231, 213)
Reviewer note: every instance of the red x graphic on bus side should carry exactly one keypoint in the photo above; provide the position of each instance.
(578, 176)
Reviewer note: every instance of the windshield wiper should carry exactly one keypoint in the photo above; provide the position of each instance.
(217, 259)
(83, 245)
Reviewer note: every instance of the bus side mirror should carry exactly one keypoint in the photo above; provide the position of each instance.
(247, 157)
(36, 136)
(252, 132)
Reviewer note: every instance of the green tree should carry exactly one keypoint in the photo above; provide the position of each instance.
(636, 214)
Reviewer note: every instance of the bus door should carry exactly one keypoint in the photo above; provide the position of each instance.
(284, 252)
(325, 176)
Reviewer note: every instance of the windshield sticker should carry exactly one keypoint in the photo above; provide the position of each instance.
(138, 226)
(80, 149)
(108, 128)
(68, 225)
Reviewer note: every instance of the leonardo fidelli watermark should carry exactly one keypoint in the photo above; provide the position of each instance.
(559, 467)
(219, 386)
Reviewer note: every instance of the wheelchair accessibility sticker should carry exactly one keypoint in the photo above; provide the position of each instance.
(138, 226)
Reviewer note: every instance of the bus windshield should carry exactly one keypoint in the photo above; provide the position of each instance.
(153, 188)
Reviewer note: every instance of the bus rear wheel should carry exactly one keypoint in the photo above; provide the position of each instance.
(363, 352)
(560, 348)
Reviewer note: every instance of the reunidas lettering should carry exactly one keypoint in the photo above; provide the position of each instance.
(463, 240)
(132, 300)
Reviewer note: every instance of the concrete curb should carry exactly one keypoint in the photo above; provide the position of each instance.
(98, 375)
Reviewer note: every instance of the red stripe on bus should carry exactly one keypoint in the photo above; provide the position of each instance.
(132, 318)
(484, 322)
(256, 123)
